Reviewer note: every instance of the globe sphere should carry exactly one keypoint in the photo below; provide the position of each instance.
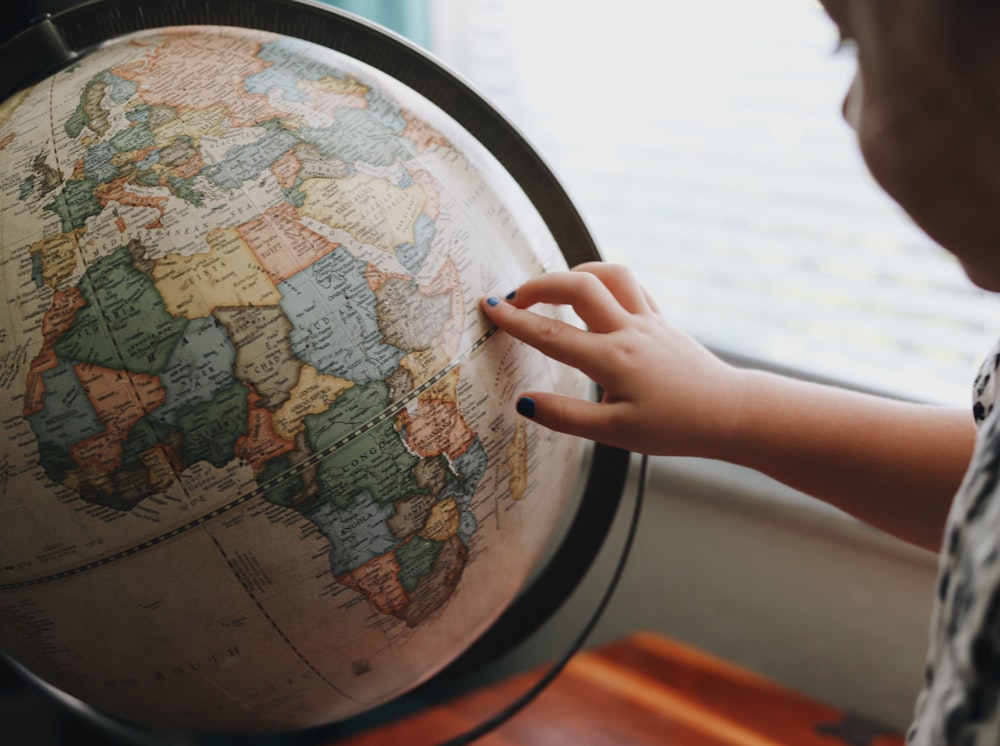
(261, 468)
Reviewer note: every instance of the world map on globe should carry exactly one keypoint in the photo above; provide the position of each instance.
(260, 467)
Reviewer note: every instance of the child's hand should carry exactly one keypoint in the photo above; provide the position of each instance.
(893, 464)
(663, 392)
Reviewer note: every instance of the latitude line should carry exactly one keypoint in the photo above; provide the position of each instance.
(278, 630)
(390, 411)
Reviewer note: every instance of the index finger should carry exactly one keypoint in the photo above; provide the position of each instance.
(552, 337)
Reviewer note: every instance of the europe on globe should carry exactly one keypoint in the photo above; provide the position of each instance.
(260, 468)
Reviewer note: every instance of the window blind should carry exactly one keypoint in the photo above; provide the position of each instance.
(704, 146)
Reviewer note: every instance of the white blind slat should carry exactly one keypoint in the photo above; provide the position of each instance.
(704, 147)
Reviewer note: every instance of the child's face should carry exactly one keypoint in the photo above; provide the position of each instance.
(926, 107)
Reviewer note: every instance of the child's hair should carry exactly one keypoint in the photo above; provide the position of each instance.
(972, 26)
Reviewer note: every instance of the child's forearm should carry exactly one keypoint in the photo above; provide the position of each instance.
(892, 464)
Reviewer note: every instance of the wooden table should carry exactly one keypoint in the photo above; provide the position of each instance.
(643, 690)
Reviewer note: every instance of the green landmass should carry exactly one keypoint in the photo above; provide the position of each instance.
(76, 122)
(376, 460)
(183, 189)
(125, 325)
(209, 430)
(284, 493)
(56, 461)
(131, 486)
(136, 136)
(145, 434)
(416, 559)
(75, 203)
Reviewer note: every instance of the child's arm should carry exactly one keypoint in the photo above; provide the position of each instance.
(895, 465)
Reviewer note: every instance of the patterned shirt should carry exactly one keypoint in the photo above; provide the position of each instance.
(960, 703)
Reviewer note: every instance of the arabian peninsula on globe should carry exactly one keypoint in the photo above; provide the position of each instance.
(260, 469)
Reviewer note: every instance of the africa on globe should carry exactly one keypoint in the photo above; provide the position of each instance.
(260, 469)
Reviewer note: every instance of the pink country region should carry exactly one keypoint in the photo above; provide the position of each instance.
(59, 317)
(437, 428)
(175, 73)
(261, 443)
(448, 280)
(120, 399)
(282, 245)
(378, 581)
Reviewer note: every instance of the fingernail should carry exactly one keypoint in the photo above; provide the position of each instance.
(526, 406)
(511, 294)
(491, 301)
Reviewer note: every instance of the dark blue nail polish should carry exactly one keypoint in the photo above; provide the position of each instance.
(491, 301)
(526, 406)
(511, 294)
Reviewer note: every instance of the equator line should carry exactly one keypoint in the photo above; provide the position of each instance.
(391, 411)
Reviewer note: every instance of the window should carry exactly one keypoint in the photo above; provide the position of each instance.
(703, 144)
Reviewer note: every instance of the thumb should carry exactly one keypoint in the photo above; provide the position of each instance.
(565, 414)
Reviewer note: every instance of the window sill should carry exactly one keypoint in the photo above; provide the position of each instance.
(745, 490)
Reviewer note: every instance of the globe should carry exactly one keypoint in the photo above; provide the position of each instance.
(260, 470)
